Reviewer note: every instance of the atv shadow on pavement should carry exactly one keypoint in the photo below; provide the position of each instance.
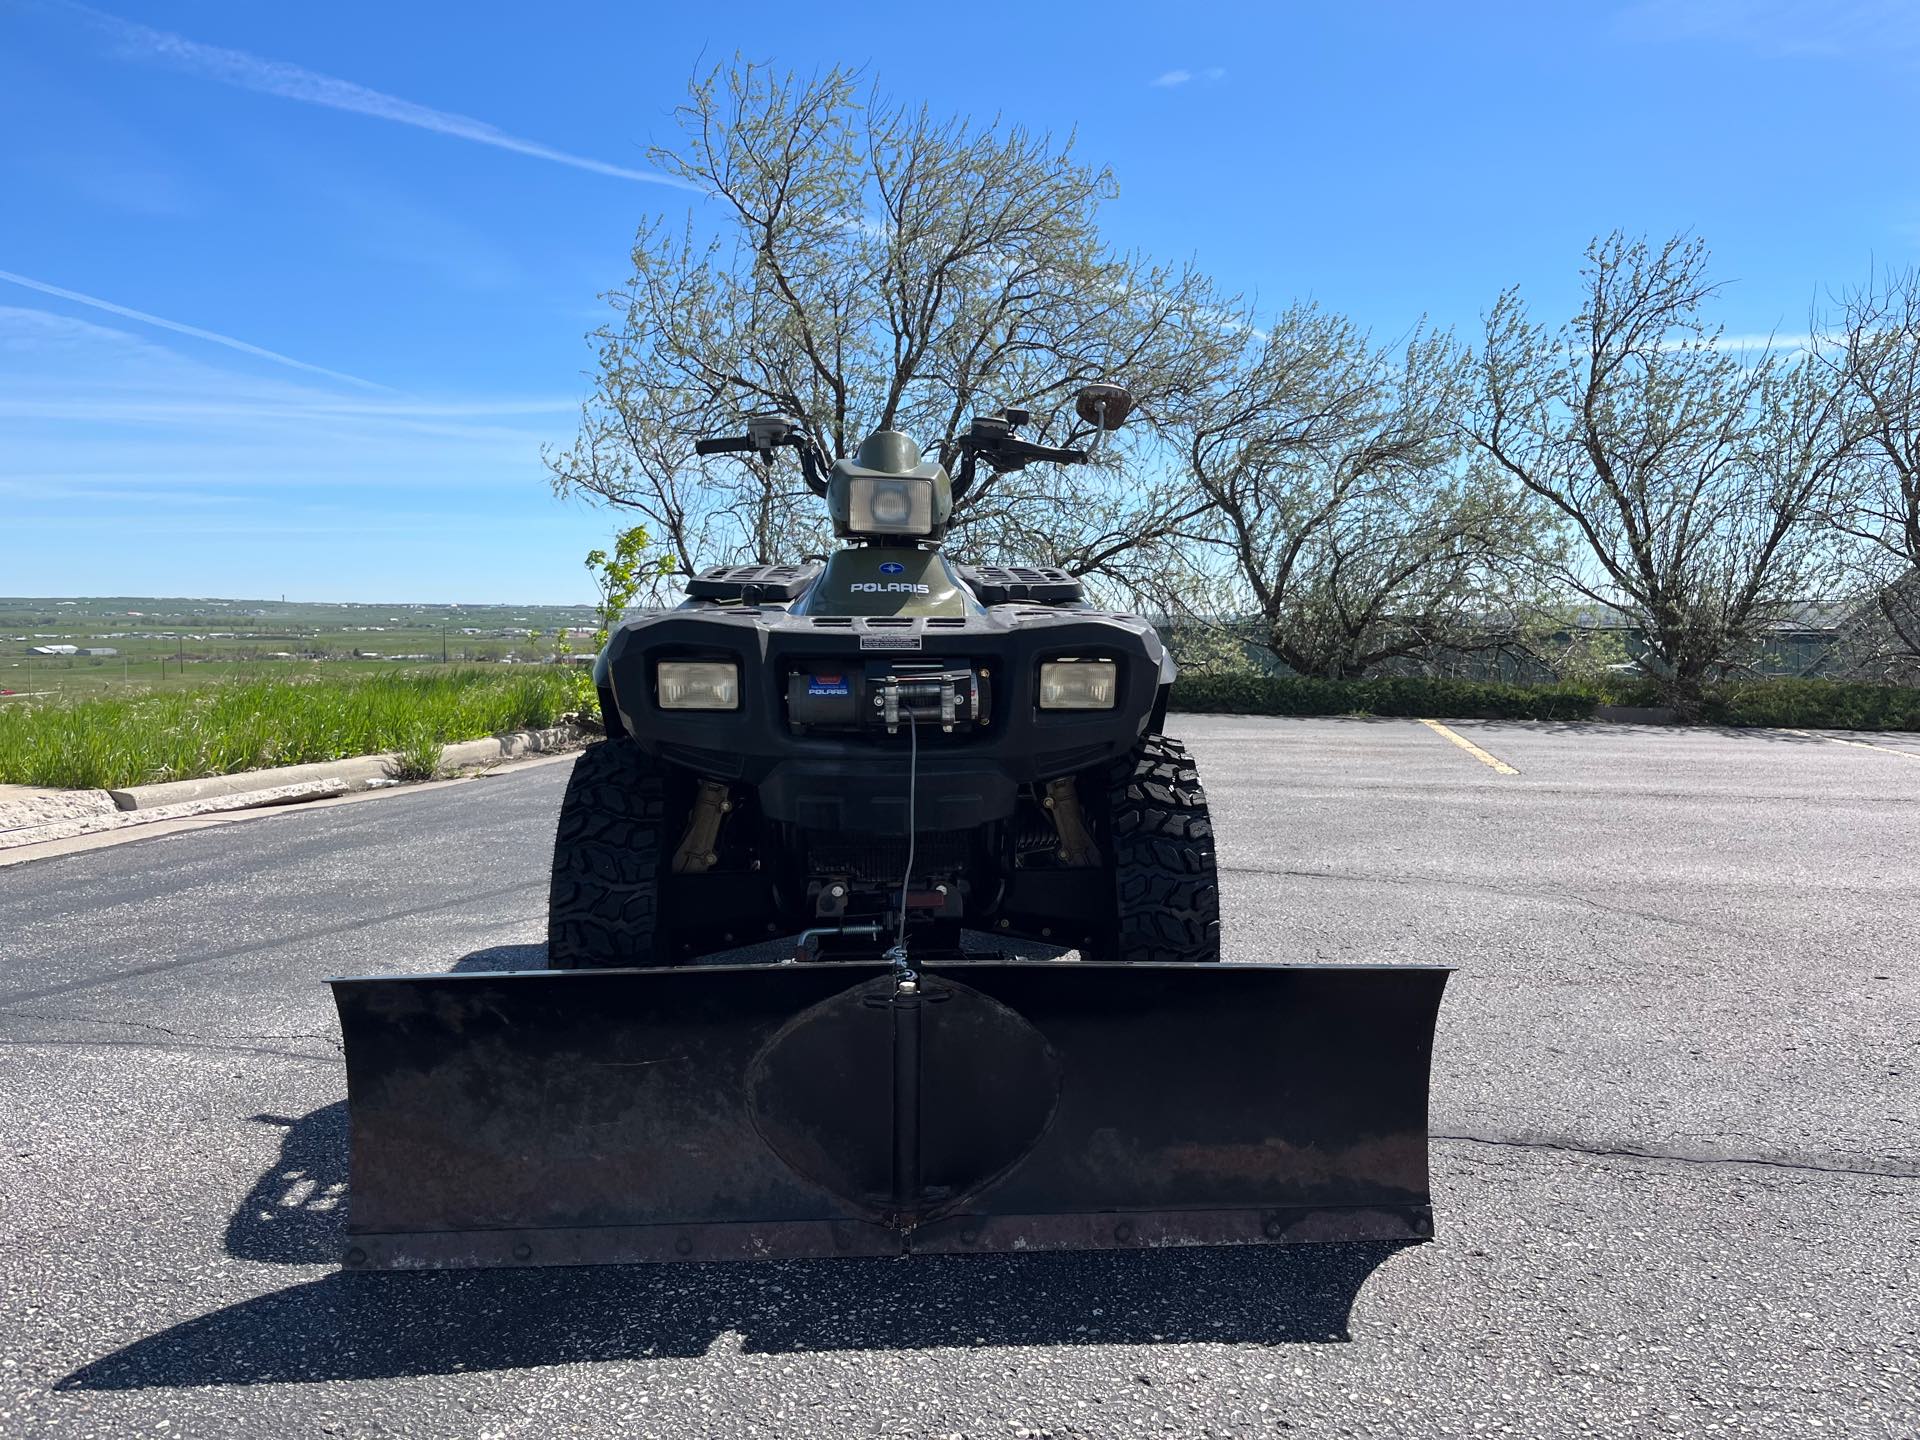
(384, 1326)
(499, 959)
(377, 1326)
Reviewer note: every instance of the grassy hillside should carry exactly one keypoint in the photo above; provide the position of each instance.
(174, 644)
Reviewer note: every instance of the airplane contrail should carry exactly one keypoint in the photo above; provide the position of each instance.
(212, 336)
(292, 82)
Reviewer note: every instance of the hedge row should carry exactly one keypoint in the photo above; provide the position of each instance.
(1815, 705)
(1394, 695)
(1796, 704)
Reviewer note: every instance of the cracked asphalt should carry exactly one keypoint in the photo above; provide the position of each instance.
(1676, 1107)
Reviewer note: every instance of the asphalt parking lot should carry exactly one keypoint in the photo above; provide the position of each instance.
(1676, 1107)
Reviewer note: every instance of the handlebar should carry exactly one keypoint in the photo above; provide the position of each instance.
(991, 439)
(724, 445)
(757, 445)
(1013, 448)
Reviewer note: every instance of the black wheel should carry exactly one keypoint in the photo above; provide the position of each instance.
(610, 853)
(1158, 840)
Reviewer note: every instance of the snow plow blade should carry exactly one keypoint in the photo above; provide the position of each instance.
(777, 1111)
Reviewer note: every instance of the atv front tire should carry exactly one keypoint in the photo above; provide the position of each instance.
(1158, 840)
(610, 853)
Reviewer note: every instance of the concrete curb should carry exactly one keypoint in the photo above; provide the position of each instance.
(118, 827)
(27, 807)
(293, 794)
(361, 772)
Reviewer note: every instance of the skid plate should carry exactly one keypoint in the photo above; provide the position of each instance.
(730, 1112)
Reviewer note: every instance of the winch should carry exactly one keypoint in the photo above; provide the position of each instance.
(884, 694)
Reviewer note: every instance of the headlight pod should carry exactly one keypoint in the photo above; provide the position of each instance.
(889, 507)
(699, 685)
(1078, 684)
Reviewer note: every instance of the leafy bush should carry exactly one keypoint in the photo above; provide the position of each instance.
(106, 743)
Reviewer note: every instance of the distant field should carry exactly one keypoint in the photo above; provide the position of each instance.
(170, 644)
(106, 741)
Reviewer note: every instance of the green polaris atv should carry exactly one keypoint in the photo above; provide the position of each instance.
(884, 749)
(878, 753)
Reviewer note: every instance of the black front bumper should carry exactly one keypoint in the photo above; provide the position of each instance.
(858, 781)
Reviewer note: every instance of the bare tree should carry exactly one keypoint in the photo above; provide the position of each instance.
(1873, 353)
(1689, 474)
(1337, 496)
(878, 267)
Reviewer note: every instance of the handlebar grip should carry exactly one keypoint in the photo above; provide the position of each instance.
(723, 444)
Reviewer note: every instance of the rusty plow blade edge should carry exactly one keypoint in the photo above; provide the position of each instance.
(763, 1112)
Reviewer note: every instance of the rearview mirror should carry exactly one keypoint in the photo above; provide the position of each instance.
(1103, 405)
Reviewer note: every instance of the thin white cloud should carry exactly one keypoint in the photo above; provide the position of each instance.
(1781, 344)
(1172, 79)
(213, 337)
(134, 409)
(292, 82)
(1786, 344)
(1877, 30)
(79, 398)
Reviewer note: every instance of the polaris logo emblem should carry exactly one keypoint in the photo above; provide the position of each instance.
(897, 587)
(892, 567)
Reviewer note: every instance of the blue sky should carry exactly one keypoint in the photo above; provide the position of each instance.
(291, 296)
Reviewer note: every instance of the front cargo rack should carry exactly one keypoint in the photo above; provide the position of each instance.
(752, 584)
(1010, 584)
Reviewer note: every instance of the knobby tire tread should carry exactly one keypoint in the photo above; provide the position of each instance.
(603, 907)
(1161, 836)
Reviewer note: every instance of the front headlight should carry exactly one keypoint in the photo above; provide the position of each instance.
(889, 507)
(699, 685)
(1078, 684)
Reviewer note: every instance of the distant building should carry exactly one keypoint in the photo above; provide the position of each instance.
(53, 649)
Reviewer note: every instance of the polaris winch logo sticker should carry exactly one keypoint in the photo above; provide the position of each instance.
(893, 567)
(895, 587)
(827, 685)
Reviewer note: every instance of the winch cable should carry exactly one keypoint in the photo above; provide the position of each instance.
(906, 878)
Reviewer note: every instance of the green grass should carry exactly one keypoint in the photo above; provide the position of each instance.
(419, 758)
(215, 730)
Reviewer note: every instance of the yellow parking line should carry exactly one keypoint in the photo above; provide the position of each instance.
(1857, 744)
(1493, 761)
